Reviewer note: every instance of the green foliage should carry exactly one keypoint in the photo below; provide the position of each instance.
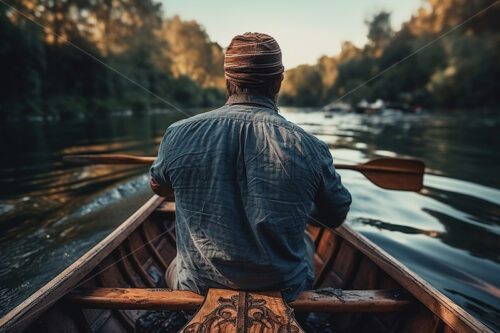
(379, 31)
(191, 53)
(469, 78)
(459, 71)
(213, 96)
(21, 82)
(44, 75)
(303, 86)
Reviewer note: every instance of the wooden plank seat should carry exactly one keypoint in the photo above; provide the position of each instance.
(322, 300)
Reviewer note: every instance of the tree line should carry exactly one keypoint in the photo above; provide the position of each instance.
(457, 71)
(42, 74)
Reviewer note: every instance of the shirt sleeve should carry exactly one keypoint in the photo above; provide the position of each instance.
(159, 170)
(332, 200)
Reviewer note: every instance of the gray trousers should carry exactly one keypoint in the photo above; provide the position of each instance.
(171, 275)
(171, 272)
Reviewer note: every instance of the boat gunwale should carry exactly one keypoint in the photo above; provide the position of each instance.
(25, 313)
(431, 298)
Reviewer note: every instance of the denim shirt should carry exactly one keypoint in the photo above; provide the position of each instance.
(245, 180)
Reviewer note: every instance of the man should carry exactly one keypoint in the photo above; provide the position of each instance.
(245, 180)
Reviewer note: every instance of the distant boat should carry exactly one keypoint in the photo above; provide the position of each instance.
(401, 107)
(370, 108)
(337, 107)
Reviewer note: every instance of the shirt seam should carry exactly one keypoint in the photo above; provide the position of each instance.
(296, 130)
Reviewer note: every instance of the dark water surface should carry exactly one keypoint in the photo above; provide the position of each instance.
(449, 233)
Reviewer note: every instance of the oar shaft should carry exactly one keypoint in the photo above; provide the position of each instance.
(131, 159)
(361, 168)
(108, 159)
(346, 166)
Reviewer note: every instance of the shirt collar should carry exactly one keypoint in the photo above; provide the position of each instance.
(257, 99)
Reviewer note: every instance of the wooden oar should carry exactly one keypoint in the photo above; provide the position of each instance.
(108, 159)
(387, 172)
(391, 173)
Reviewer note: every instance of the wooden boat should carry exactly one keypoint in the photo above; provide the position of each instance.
(106, 290)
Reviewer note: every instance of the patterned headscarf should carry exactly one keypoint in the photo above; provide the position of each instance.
(253, 60)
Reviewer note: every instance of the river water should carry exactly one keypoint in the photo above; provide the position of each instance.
(449, 233)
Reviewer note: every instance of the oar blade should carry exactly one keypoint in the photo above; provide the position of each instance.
(395, 173)
(403, 164)
(391, 181)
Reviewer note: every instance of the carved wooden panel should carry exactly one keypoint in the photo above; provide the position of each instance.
(225, 311)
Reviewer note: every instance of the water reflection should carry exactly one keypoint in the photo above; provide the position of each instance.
(51, 213)
(449, 232)
(34, 182)
(395, 227)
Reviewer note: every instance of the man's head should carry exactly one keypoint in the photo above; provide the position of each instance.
(252, 64)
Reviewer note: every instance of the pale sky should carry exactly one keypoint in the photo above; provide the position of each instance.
(305, 30)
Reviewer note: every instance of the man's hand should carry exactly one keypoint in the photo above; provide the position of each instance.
(161, 190)
(321, 219)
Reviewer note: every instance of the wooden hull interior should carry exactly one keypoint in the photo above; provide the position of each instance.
(140, 261)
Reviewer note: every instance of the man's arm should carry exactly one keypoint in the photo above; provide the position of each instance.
(321, 217)
(160, 181)
(332, 200)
